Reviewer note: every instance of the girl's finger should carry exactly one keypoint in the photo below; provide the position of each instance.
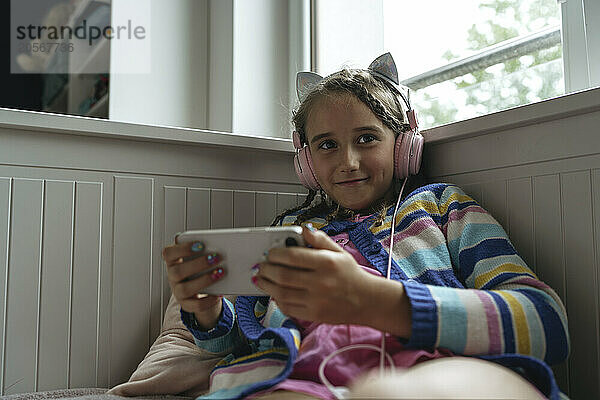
(287, 294)
(187, 289)
(303, 257)
(172, 253)
(290, 277)
(182, 270)
(319, 239)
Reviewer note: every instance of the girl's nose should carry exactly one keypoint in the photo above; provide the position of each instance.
(350, 160)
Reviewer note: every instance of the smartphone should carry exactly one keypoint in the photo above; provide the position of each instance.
(241, 248)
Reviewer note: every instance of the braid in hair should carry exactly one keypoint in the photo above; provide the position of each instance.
(309, 199)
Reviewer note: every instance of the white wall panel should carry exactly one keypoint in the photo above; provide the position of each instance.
(198, 209)
(520, 218)
(582, 289)
(596, 211)
(175, 220)
(549, 246)
(132, 245)
(56, 285)
(494, 200)
(285, 201)
(221, 209)
(5, 217)
(265, 204)
(85, 289)
(244, 209)
(22, 312)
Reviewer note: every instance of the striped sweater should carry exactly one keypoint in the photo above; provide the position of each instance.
(469, 291)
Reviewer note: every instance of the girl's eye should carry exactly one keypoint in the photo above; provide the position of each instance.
(370, 138)
(321, 146)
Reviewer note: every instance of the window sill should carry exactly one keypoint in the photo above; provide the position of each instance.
(569, 105)
(77, 125)
(557, 108)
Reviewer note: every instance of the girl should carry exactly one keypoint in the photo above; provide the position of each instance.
(464, 315)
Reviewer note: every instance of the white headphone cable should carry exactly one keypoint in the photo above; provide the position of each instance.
(340, 392)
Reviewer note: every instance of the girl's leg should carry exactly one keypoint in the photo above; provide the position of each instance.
(447, 378)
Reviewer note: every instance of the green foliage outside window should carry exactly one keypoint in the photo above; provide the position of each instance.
(518, 81)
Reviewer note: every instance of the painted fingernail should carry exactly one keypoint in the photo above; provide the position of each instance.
(217, 274)
(197, 246)
(255, 267)
(311, 227)
(213, 258)
(254, 279)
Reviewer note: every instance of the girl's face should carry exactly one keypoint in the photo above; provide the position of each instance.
(352, 151)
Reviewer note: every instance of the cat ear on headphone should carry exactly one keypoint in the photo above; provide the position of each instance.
(305, 82)
(385, 65)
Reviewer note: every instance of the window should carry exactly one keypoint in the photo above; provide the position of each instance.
(462, 59)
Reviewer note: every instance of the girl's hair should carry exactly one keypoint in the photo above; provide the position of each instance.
(384, 102)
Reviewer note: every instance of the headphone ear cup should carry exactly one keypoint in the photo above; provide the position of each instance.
(304, 169)
(415, 161)
(404, 164)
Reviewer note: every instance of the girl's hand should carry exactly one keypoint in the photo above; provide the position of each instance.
(189, 272)
(322, 284)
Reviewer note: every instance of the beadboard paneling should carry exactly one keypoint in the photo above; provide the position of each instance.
(175, 218)
(22, 313)
(5, 217)
(244, 209)
(56, 285)
(265, 204)
(520, 217)
(549, 209)
(131, 300)
(85, 286)
(198, 209)
(221, 209)
(582, 288)
(82, 281)
(494, 200)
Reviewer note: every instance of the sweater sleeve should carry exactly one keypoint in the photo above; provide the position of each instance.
(223, 338)
(504, 307)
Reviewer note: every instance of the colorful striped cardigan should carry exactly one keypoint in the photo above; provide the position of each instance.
(469, 292)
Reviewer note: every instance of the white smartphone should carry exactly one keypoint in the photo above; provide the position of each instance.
(241, 248)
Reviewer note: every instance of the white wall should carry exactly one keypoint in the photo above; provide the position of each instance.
(222, 65)
(174, 92)
(260, 73)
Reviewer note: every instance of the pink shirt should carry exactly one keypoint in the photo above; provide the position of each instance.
(319, 340)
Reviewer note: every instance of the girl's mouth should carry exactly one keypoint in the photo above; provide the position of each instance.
(353, 183)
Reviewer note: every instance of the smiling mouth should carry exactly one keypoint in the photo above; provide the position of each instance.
(353, 181)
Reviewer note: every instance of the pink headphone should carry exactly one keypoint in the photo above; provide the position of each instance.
(407, 149)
